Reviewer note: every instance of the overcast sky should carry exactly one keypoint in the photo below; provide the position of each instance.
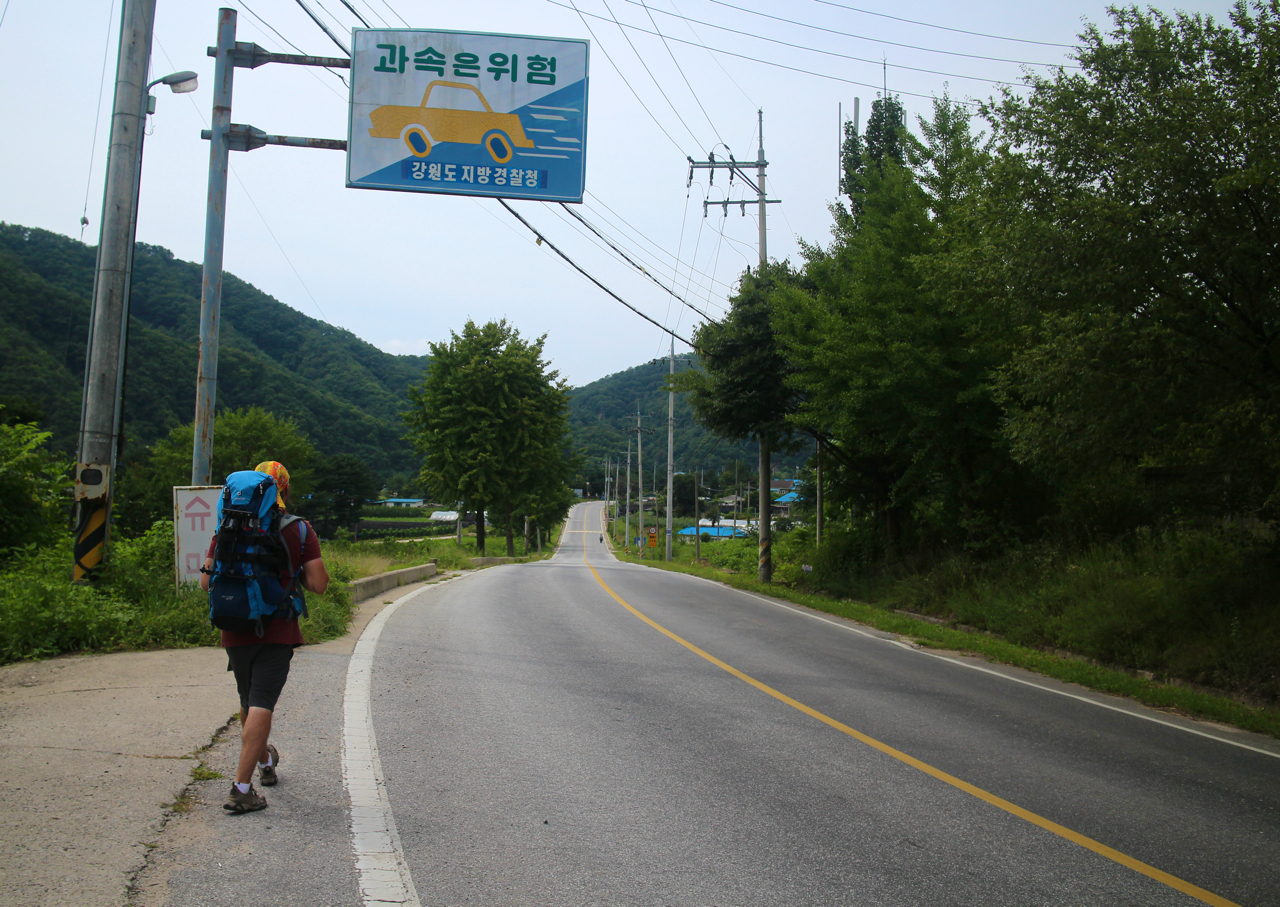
(403, 269)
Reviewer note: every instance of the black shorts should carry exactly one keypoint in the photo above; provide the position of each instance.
(261, 670)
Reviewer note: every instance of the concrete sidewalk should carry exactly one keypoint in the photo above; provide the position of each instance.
(94, 752)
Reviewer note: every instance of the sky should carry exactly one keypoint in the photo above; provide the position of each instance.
(668, 80)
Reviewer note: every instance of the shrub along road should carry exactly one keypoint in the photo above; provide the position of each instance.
(580, 731)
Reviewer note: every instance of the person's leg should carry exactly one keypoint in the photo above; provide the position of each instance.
(255, 728)
(261, 671)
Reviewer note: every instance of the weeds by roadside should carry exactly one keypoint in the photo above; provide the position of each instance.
(733, 563)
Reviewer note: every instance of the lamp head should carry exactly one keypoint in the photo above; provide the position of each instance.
(181, 82)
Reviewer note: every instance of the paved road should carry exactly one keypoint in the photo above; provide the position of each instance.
(580, 731)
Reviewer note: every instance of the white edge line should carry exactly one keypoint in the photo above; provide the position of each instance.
(964, 664)
(381, 870)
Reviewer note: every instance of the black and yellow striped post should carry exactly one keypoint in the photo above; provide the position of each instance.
(90, 543)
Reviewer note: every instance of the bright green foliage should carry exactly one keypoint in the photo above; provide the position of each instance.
(892, 360)
(33, 484)
(135, 605)
(1138, 209)
(242, 440)
(490, 421)
(743, 389)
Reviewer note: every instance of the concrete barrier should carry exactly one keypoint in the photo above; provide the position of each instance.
(370, 586)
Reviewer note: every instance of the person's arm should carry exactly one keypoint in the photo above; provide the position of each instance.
(315, 578)
(204, 577)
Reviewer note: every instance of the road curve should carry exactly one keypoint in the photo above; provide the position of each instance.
(581, 731)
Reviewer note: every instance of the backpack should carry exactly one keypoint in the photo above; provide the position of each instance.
(245, 592)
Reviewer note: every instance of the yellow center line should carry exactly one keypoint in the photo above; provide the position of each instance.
(1110, 853)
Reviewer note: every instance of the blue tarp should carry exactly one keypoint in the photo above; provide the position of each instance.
(716, 532)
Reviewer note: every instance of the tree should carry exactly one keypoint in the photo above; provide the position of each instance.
(33, 483)
(885, 139)
(742, 390)
(243, 439)
(892, 363)
(343, 484)
(1138, 212)
(490, 421)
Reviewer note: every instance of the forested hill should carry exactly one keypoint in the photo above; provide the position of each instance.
(345, 394)
(601, 414)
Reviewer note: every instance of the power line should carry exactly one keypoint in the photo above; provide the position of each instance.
(323, 27)
(625, 81)
(97, 117)
(729, 53)
(716, 60)
(650, 72)
(831, 53)
(354, 13)
(579, 269)
(633, 264)
(641, 235)
(396, 14)
(961, 31)
(680, 70)
(309, 69)
(660, 267)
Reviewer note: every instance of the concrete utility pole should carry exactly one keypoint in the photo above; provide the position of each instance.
(626, 538)
(817, 534)
(735, 169)
(640, 478)
(671, 440)
(109, 318)
(224, 137)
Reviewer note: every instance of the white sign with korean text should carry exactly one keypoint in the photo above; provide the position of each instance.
(195, 509)
(468, 113)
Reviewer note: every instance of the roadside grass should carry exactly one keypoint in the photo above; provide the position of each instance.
(1166, 696)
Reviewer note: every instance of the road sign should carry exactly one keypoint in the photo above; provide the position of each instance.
(468, 113)
(195, 510)
(653, 537)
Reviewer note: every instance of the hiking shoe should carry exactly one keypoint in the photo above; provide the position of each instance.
(267, 774)
(244, 803)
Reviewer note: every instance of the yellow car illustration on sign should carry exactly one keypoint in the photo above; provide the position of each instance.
(419, 127)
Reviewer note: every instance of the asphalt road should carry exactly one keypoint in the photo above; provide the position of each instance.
(580, 732)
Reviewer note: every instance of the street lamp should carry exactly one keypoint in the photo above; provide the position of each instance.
(178, 82)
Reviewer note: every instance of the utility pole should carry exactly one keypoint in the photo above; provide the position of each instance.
(640, 477)
(99, 440)
(817, 534)
(671, 436)
(766, 542)
(626, 539)
(224, 137)
(697, 521)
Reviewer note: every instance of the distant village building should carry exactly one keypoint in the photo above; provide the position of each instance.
(399, 502)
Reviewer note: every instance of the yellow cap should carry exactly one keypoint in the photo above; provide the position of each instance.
(276, 471)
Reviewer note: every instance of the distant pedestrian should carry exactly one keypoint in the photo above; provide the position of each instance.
(261, 662)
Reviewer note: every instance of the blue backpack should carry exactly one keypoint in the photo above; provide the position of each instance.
(245, 592)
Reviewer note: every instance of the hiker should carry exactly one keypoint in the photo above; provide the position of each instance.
(260, 657)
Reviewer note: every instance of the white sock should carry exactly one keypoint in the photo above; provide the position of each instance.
(243, 788)
(270, 762)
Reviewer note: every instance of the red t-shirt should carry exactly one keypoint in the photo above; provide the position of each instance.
(281, 631)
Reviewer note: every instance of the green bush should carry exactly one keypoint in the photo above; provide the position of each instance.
(32, 486)
(1195, 604)
(135, 605)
